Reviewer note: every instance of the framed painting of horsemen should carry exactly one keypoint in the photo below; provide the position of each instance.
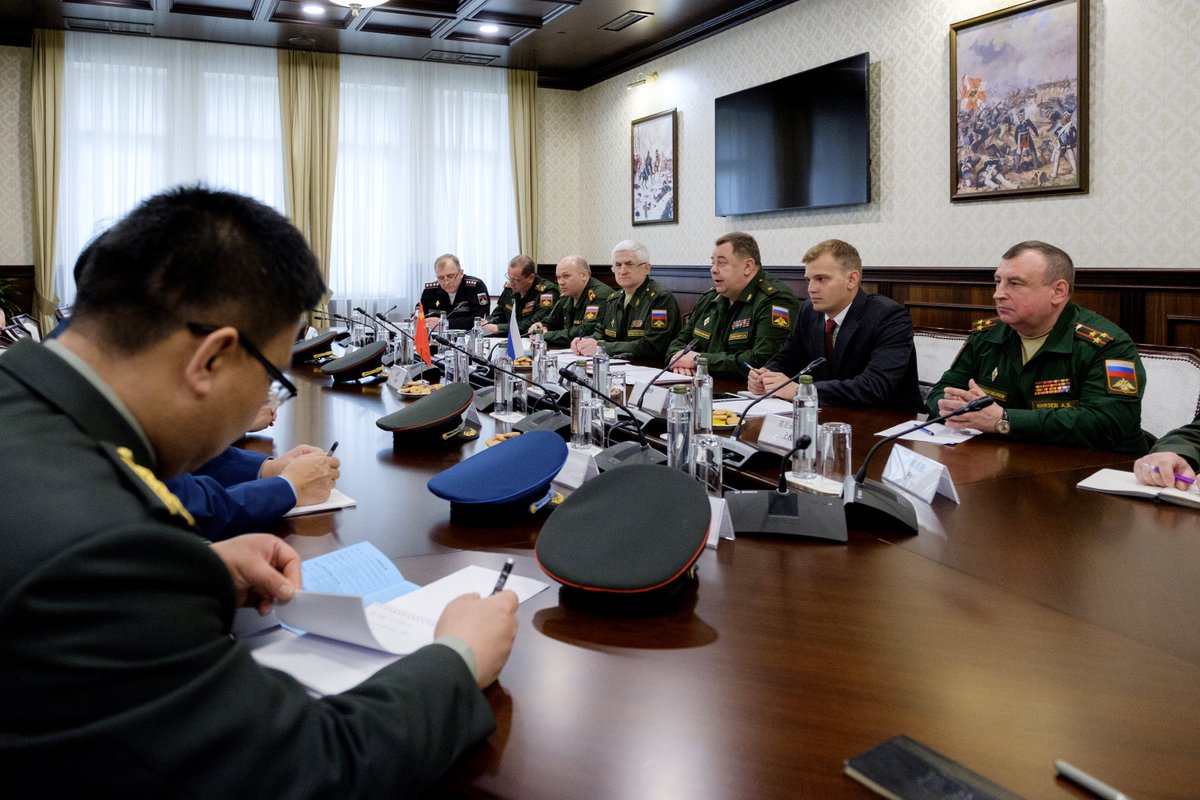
(655, 141)
(1019, 102)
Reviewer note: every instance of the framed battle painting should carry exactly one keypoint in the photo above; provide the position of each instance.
(1019, 102)
(654, 147)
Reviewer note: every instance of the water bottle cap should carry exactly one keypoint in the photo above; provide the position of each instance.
(806, 379)
(679, 388)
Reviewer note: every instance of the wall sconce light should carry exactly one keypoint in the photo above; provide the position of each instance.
(642, 79)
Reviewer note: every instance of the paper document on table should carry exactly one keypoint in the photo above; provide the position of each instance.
(937, 433)
(336, 500)
(1116, 481)
(772, 405)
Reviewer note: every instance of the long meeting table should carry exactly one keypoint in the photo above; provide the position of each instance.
(1030, 622)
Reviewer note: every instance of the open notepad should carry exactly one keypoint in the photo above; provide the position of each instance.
(1116, 481)
(338, 640)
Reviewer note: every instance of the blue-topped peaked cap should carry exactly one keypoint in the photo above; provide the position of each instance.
(440, 410)
(636, 529)
(518, 470)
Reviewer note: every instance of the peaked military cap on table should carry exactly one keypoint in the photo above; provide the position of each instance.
(647, 548)
(514, 475)
(317, 350)
(365, 362)
(436, 415)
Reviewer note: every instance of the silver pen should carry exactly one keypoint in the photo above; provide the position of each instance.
(1093, 785)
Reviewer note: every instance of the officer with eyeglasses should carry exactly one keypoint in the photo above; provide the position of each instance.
(640, 320)
(459, 297)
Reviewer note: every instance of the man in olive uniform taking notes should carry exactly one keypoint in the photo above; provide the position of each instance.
(743, 320)
(121, 678)
(457, 296)
(533, 297)
(577, 312)
(1060, 374)
(640, 320)
(1173, 460)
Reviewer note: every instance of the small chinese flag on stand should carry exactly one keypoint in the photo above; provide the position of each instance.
(421, 337)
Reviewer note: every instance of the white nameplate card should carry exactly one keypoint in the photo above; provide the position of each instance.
(721, 526)
(919, 475)
(470, 418)
(579, 469)
(398, 376)
(776, 431)
(655, 397)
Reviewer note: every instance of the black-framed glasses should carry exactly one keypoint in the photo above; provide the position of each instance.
(281, 389)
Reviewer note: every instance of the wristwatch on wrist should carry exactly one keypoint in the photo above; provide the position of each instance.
(1002, 424)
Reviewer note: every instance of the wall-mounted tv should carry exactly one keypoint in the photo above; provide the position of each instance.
(799, 142)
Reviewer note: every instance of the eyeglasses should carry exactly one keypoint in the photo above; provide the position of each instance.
(626, 266)
(448, 277)
(281, 389)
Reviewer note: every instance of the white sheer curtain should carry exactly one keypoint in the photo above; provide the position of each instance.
(423, 169)
(142, 115)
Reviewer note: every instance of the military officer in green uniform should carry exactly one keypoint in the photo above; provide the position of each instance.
(1173, 460)
(533, 297)
(744, 318)
(577, 312)
(1060, 374)
(640, 320)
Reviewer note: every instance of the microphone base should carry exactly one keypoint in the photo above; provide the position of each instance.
(546, 420)
(872, 503)
(791, 514)
(624, 453)
(739, 455)
(554, 393)
(484, 398)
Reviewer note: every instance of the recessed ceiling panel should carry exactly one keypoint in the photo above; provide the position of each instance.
(398, 23)
(230, 9)
(292, 12)
(470, 31)
(135, 5)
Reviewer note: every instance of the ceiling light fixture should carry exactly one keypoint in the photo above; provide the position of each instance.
(356, 6)
(313, 9)
(489, 28)
(642, 79)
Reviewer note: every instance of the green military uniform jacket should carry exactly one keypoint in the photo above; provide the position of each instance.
(1083, 387)
(533, 306)
(1185, 441)
(645, 327)
(573, 317)
(750, 329)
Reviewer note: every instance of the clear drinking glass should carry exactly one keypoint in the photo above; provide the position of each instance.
(833, 451)
(707, 463)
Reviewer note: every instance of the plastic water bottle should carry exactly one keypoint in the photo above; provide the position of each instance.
(503, 387)
(679, 429)
(702, 397)
(537, 355)
(581, 410)
(600, 369)
(804, 423)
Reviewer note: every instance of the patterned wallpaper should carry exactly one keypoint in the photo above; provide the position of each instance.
(16, 158)
(1145, 123)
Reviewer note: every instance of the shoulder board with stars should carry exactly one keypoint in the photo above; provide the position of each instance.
(431, 285)
(983, 324)
(471, 281)
(1098, 338)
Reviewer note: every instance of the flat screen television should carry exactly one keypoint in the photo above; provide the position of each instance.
(799, 142)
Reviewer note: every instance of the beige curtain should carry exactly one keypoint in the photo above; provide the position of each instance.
(46, 110)
(308, 100)
(522, 122)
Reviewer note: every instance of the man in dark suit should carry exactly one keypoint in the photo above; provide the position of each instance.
(866, 339)
(458, 297)
(120, 677)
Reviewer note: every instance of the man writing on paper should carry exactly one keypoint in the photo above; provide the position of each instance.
(457, 296)
(866, 339)
(577, 313)
(744, 318)
(641, 319)
(1059, 373)
(1173, 460)
(121, 679)
(533, 297)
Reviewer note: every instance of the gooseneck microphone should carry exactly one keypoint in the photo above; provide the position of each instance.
(977, 404)
(809, 367)
(692, 345)
(475, 359)
(618, 454)
(805, 441)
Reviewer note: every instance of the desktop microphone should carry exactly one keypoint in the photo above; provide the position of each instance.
(736, 452)
(417, 368)
(622, 453)
(692, 345)
(546, 419)
(872, 498)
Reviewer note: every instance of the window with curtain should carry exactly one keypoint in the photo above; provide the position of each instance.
(142, 115)
(423, 169)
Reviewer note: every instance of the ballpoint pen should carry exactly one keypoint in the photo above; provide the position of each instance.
(504, 573)
(332, 448)
(1093, 785)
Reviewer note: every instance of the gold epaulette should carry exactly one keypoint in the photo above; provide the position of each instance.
(983, 324)
(1087, 333)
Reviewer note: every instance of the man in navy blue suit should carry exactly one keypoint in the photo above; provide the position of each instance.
(866, 339)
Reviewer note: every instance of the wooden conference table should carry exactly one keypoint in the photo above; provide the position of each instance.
(1033, 621)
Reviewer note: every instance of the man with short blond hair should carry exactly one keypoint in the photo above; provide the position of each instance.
(865, 339)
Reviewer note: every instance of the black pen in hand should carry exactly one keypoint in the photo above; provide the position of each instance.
(331, 449)
(504, 573)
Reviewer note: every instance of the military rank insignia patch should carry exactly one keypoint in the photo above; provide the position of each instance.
(983, 324)
(1098, 338)
(658, 318)
(780, 317)
(1122, 376)
(591, 312)
(546, 300)
(1057, 386)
